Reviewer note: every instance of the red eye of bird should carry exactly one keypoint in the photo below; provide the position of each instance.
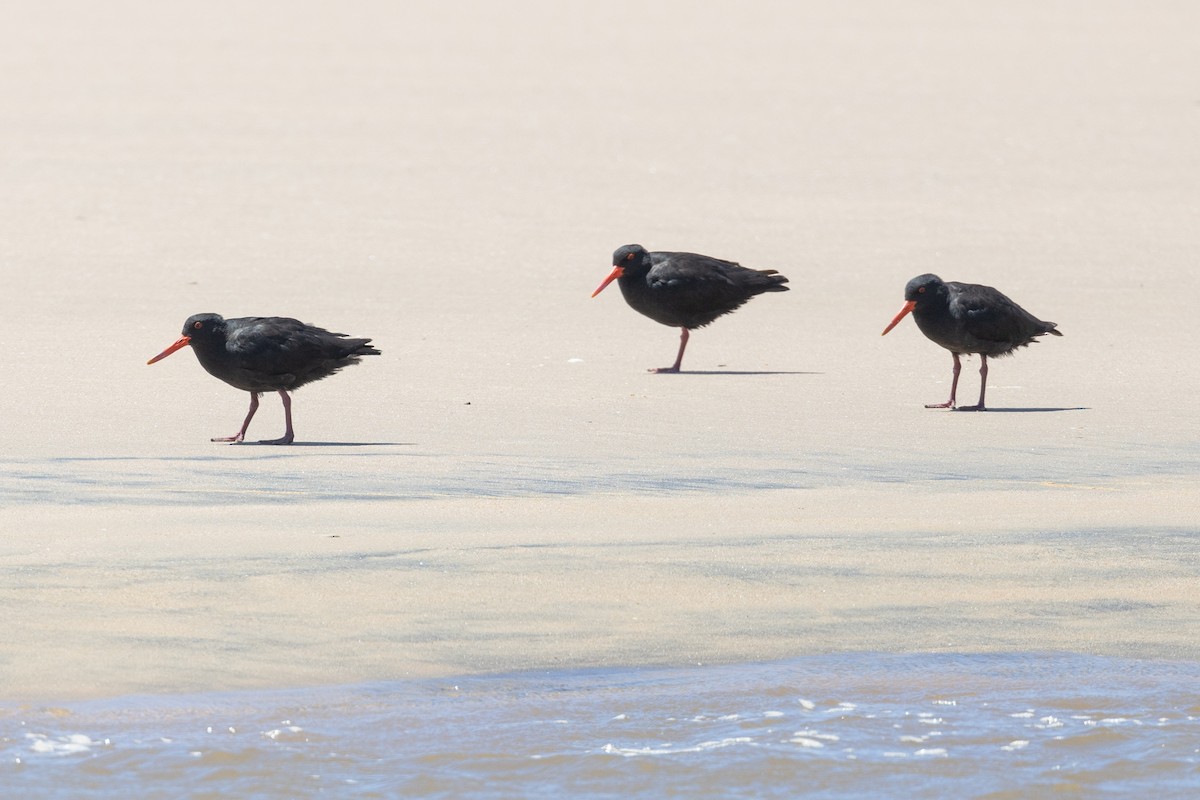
(921, 290)
(629, 257)
(199, 325)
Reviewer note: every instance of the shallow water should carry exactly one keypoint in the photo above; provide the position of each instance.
(1012, 725)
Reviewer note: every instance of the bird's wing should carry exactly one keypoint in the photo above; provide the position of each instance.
(271, 344)
(989, 315)
(699, 275)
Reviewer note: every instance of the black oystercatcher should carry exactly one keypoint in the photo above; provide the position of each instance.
(685, 290)
(267, 354)
(969, 318)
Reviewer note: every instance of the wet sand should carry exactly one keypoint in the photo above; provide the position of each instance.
(506, 487)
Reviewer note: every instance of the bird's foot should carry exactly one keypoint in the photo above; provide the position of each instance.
(939, 405)
(664, 370)
(285, 439)
(235, 439)
(979, 407)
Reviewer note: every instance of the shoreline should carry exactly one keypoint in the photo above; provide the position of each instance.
(446, 587)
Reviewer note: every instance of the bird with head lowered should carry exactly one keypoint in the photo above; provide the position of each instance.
(266, 354)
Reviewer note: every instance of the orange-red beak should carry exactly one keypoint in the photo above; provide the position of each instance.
(909, 306)
(183, 341)
(612, 276)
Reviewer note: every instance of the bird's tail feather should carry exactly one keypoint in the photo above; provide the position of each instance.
(362, 347)
(766, 280)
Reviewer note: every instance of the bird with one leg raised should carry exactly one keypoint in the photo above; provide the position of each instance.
(685, 290)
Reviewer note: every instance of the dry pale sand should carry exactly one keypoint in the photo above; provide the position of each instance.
(506, 487)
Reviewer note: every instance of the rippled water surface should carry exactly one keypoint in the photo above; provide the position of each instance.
(834, 726)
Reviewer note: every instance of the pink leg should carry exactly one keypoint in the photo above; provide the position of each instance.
(683, 340)
(953, 386)
(240, 435)
(288, 435)
(982, 387)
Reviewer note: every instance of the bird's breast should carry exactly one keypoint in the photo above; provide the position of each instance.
(662, 302)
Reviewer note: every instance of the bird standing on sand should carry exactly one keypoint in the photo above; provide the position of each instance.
(685, 290)
(969, 318)
(267, 354)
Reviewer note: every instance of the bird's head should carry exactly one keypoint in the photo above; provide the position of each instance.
(199, 328)
(918, 291)
(923, 287)
(626, 259)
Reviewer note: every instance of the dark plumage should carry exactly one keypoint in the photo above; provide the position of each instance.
(267, 354)
(969, 318)
(685, 290)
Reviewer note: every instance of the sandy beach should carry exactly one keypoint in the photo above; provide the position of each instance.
(506, 487)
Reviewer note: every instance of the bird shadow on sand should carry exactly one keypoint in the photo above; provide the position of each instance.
(735, 372)
(991, 410)
(328, 444)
